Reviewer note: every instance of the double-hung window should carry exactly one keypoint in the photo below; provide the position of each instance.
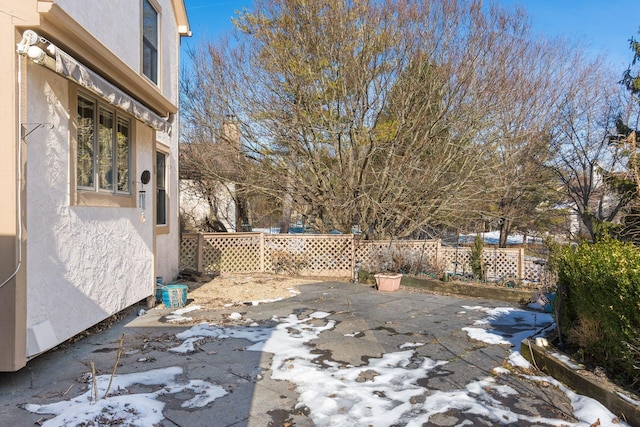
(161, 188)
(149, 41)
(103, 162)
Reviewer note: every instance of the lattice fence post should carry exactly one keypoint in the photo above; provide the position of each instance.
(437, 260)
(262, 252)
(353, 252)
(200, 252)
(521, 264)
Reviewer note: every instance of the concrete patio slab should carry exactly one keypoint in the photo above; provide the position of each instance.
(362, 326)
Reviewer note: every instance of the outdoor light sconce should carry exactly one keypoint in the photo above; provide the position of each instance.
(145, 177)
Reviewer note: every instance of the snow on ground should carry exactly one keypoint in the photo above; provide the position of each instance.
(177, 316)
(566, 360)
(140, 409)
(500, 329)
(628, 399)
(384, 392)
(493, 237)
(507, 325)
(584, 408)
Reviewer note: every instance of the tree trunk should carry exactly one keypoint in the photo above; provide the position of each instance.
(588, 220)
(286, 213)
(287, 198)
(242, 210)
(505, 229)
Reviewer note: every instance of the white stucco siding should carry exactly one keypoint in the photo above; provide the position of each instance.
(170, 58)
(168, 244)
(84, 263)
(116, 23)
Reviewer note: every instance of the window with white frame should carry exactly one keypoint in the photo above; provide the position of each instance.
(103, 162)
(149, 41)
(161, 188)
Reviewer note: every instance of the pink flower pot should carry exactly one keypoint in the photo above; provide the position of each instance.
(388, 282)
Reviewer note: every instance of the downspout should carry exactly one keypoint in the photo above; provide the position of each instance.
(19, 179)
(26, 47)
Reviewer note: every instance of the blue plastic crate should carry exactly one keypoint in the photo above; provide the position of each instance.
(174, 296)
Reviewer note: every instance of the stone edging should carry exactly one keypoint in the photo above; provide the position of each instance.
(583, 382)
(476, 290)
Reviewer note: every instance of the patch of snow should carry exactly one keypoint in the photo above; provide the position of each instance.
(235, 316)
(263, 301)
(585, 409)
(411, 345)
(628, 399)
(320, 315)
(172, 318)
(481, 334)
(187, 346)
(507, 325)
(565, 360)
(202, 330)
(186, 309)
(140, 409)
(493, 238)
(516, 359)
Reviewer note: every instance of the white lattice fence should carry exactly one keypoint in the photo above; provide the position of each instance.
(532, 272)
(398, 255)
(226, 252)
(501, 264)
(455, 260)
(313, 255)
(335, 256)
(189, 252)
(535, 270)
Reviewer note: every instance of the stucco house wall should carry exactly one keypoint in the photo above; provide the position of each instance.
(167, 242)
(77, 259)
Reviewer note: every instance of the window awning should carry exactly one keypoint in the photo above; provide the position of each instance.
(69, 67)
(72, 69)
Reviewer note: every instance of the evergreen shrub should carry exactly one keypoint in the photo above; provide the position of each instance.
(600, 315)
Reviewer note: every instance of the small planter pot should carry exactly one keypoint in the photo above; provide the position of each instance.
(388, 282)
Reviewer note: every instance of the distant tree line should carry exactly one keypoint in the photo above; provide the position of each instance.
(405, 118)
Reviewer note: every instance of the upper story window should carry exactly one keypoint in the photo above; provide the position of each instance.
(149, 41)
(103, 148)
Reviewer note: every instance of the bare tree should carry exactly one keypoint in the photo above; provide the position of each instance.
(583, 152)
(524, 112)
(385, 115)
(627, 140)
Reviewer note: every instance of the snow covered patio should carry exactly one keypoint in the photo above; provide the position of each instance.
(336, 354)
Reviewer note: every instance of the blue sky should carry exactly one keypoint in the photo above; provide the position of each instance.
(604, 25)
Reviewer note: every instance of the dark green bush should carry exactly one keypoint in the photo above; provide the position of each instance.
(601, 311)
